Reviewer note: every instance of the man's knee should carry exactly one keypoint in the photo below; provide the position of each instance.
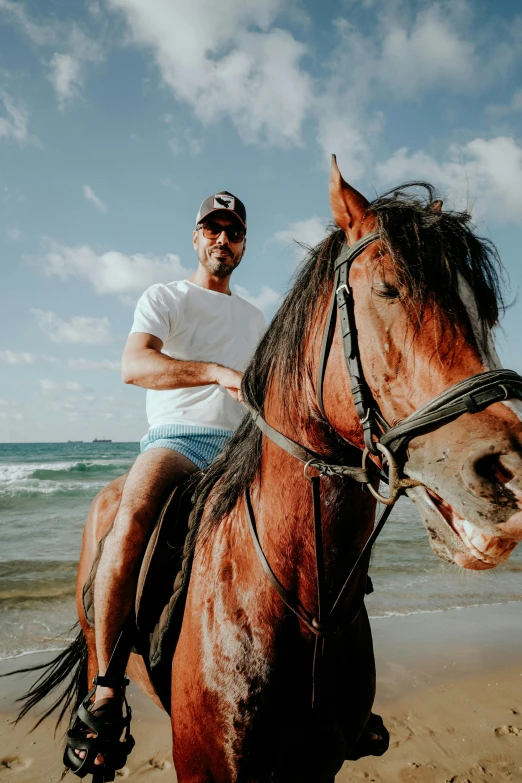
(105, 506)
(149, 484)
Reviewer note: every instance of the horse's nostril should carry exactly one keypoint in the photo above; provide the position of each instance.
(492, 469)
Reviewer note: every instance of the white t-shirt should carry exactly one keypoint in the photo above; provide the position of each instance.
(199, 325)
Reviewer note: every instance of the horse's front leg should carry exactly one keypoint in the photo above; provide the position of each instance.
(357, 681)
(221, 667)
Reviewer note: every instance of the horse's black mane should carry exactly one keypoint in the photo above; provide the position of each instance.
(429, 250)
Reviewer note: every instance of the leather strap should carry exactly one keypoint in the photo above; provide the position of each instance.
(342, 270)
(325, 349)
(321, 625)
(468, 396)
(303, 454)
(114, 676)
(289, 600)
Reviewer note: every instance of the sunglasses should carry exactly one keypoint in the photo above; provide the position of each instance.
(214, 230)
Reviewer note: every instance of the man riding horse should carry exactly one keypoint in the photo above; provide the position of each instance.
(189, 343)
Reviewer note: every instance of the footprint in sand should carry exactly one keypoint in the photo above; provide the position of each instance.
(367, 777)
(122, 773)
(400, 733)
(418, 773)
(508, 731)
(489, 771)
(14, 763)
(156, 763)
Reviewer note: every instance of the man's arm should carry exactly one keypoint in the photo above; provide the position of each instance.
(143, 364)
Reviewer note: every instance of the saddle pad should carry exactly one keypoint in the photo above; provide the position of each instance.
(163, 559)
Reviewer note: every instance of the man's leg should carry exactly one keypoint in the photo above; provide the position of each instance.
(152, 477)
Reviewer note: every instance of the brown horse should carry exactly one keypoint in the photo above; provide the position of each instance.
(424, 294)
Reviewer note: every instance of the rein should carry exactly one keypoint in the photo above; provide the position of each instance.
(471, 395)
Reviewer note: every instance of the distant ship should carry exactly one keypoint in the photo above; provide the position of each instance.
(75, 441)
(102, 440)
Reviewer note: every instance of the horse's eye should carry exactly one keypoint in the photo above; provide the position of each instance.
(387, 291)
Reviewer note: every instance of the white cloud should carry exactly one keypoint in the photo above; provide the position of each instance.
(80, 329)
(303, 232)
(432, 52)
(46, 385)
(88, 364)
(178, 144)
(308, 232)
(13, 233)
(11, 357)
(111, 272)
(65, 76)
(127, 301)
(410, 52)
(266, 300)
(74, 386)
(66, 68)
(38, 33)
(14, 124)
(169, 183)
(227, 60)
(514, 105)
(487, 170)
(91, 196)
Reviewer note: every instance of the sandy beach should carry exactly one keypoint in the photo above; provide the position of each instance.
(449, 690)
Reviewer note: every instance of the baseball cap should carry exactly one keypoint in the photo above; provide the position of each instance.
(222, 202)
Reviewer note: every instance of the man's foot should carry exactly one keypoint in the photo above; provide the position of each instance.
(374, 740)
(95, 737)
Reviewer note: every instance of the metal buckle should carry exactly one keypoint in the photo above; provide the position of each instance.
(343, 285)
(367, 415)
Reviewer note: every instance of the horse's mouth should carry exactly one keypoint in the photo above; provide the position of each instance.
(466, 544)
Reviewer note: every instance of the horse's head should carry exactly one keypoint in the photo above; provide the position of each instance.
(425, 297)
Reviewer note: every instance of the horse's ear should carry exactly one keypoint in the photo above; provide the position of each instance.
(436, 205)
(349, 207)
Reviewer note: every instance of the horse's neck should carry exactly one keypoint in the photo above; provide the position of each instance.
(284, 511)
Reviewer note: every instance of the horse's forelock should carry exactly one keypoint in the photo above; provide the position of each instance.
(431, 248)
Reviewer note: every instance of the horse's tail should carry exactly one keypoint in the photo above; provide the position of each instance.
(70, 664)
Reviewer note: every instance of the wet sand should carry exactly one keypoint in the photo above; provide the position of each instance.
(449, 690)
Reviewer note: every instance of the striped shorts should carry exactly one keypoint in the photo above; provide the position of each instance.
(200, 445)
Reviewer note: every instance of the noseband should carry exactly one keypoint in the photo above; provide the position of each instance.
(471, 395)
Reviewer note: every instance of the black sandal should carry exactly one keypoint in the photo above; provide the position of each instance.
(371, 747)
(105, 719)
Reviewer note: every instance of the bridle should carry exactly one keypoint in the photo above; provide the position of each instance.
(471, 395)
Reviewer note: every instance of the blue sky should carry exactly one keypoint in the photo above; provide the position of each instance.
(117, 117)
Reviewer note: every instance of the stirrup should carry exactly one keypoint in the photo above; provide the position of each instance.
(108, 727)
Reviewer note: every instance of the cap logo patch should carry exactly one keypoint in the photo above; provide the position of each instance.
(221, 201)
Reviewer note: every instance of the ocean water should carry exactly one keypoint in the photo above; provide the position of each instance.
(45, 494)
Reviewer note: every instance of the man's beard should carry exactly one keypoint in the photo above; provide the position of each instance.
(220, 267)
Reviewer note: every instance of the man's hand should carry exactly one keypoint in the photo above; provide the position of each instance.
(231, 381)
(144, 365)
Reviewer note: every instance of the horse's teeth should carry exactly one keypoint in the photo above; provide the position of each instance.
(478, 538)
(491, 546)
